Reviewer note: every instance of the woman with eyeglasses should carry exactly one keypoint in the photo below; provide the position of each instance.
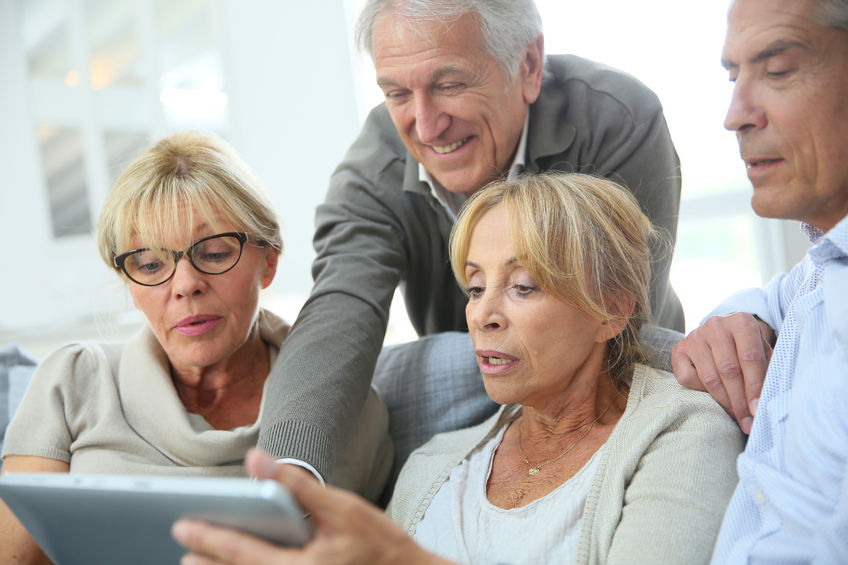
(195, 238)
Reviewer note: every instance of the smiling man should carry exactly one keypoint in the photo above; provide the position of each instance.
(789, 62)
(469, 98)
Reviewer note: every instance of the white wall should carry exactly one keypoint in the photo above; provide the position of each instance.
(293, 111)
(296, 97)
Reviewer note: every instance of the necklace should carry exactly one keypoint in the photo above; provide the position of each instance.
(534, 469)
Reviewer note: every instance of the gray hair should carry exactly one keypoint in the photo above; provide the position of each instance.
(834, 13)
(507, 26)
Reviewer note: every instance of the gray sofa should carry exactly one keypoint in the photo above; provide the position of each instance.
(16, 367)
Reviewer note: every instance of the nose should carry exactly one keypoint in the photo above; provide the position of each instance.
(745, 111)
(485, 313)
(430, 120)
(187, 281)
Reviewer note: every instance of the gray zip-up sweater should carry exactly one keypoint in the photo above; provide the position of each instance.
(380, 227)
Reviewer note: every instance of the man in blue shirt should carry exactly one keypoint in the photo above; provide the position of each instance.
(788, 60)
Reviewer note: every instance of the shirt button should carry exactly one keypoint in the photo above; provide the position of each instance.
(759, 497)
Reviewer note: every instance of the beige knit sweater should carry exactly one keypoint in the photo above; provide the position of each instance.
(665, 476)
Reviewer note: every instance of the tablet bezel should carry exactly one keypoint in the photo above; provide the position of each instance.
(127, 518)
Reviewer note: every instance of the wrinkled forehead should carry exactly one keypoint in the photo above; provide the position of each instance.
(750, 22)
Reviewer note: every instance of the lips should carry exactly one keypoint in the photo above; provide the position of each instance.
(495, 362)
(197, 325)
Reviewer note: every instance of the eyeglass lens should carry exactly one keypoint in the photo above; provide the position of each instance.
(213, 256)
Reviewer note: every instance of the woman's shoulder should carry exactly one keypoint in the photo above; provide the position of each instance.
(82, 357)
(655, 389)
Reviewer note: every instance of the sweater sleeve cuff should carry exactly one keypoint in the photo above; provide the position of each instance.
(305, 465)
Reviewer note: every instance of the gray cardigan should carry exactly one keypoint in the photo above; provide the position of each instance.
(380, 227)
(662, 484)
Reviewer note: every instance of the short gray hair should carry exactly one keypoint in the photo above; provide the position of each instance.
(507, 26)
(834, 13)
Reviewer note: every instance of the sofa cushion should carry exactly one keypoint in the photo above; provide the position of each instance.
(16, 368)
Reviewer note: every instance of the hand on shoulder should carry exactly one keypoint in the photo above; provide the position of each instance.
(728, 357)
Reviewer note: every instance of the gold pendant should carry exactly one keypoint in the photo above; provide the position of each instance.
(533, 471)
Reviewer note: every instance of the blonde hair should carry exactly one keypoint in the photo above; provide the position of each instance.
(583, 239)
(180, 175)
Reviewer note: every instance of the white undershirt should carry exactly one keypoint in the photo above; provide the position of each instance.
(462, 525)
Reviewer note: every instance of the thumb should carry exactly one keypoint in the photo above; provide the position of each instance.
(260, 465)
(310, 495)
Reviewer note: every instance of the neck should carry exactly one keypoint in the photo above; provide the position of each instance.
(230, 384)
(603, 404)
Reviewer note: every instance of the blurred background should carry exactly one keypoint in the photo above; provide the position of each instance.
(86, 85)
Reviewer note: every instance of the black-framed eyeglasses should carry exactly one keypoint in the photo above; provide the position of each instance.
(213, 255)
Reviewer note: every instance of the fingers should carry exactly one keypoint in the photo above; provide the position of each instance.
(754, 353)
(728, 357)
(327, 505)
(259, 464)
(695, 367)
(211, 544)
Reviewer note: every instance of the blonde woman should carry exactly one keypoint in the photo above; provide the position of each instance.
(194, 237)
(593, 457)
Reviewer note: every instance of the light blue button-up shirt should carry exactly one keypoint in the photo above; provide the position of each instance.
(791, 504)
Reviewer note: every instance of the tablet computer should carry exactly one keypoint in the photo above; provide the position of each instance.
(91, 519)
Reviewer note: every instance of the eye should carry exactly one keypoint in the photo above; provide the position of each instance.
(145, 262)
(778, 74)
(395, 95)
(450, 87)
(781, 65)
(216, 256)
(475, 291)
(150, 267)
(523, 290)
(522, 285)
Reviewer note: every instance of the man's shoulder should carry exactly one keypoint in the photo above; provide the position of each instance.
(377, 147)
(572, 76)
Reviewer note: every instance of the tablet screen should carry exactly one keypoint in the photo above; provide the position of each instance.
(90, 519)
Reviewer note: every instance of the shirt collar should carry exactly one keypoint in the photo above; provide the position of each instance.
(451, 201)
(812, 232)
(829, 245)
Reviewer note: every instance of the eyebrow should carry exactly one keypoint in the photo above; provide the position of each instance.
(776, 48)
(435, 76)
(509, 263)
(445, 70)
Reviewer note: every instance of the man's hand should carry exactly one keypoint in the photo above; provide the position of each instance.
(727, 357)
(348, 529)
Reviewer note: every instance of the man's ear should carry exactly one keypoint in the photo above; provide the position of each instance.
(530, 70)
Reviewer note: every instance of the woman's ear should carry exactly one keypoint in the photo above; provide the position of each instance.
(622, 307)
(269, 265)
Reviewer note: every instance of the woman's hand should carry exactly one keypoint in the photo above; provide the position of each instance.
(16, 545)
(347, 529)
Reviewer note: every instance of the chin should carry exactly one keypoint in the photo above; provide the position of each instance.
(498, 395)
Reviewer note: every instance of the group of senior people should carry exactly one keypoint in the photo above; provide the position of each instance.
(593, 456)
